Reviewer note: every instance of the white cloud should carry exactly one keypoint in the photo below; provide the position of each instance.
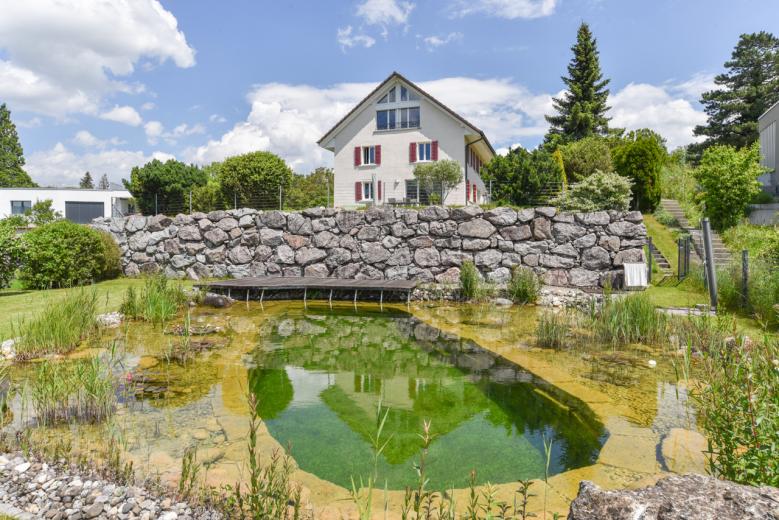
(695, 86)
(510, 9)
(433, 42)
(86, 139)
(289, 119)
(348, 40)
(216, 118)
(640, 105)
(148, 106)
(124, 114)
(59, 166)
(155, 130)
(33, 122)
(385, 12)
(67, 57)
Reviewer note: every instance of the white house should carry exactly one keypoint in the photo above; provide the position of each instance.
(397, 126)
(769, 144)
(74, 204)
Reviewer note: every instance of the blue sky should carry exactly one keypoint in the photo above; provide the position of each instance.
(104, 86)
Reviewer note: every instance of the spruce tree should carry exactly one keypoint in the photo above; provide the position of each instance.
(581, 111)
(103, 184)
(86, 182)
(12, 174)
(749, 87)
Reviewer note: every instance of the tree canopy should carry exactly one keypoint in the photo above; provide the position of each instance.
(103, 184)
(581, 111)
(520, 175)
(12, 174)
(163, 186)
(641, 157)
(439, 178)
(584, 157)
(254, 179)
(86, 182)
(749, 87)
(312, 190)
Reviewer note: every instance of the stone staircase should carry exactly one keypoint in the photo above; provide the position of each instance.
(722, 256)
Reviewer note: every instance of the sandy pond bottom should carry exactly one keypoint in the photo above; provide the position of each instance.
(319, 375)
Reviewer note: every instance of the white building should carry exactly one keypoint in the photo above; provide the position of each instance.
(769, 144)
(397, 126)
(74, 204)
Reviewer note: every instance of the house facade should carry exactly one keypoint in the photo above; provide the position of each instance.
(78, 205)
(768, 126)
(380, 141)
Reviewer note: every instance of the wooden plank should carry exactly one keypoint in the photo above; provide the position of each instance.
(307, 282)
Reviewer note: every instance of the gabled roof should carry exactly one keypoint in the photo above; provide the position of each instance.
(396, 76)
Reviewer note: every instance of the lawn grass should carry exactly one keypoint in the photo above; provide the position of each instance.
(664, 240)
(18, 304)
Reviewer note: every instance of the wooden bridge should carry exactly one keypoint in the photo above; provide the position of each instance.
(279, 285)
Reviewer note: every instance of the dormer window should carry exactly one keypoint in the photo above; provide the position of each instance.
(397, 94)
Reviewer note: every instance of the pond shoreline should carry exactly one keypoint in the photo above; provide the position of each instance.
(30, 488)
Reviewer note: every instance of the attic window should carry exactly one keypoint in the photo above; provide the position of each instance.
(392, 96)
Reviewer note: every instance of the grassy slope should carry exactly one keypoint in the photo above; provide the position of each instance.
(664, 240)
(18, 304)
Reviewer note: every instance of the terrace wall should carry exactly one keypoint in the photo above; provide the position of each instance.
(429, 244)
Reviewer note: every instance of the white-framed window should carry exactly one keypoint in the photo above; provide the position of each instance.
(424, 152)
(395, 118)
(404, 94)
(368, 155)
(19, 207)
(367, 190)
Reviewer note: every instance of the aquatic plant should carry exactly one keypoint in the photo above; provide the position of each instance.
(524, 286)
(60, 328)
(554, 329)
(81, 391)
(737, 394)
(159, 301)
(630, 319)
(362, 495)
(190, 469)
(469, 280)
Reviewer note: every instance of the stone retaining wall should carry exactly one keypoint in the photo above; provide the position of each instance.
(429, 244)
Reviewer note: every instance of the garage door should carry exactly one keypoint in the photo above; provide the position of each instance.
(84, 212)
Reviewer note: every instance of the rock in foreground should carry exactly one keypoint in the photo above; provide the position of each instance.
(676, 498)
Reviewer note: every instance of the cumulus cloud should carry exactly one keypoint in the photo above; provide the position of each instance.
(67, 57)
(289, 119)
(385, 12)
(216, 118)
(510, 9)
(640, 105)
(60, 166)
(348, 39)
(125, 114)
(155, 130)
(86, 139)
(695, 86)
(434, 41)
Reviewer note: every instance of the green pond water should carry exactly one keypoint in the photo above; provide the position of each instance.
(319, 375)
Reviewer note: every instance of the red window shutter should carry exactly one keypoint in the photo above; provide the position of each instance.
(379, 187)
(474, 192)
(357, 156)
(378, 155)
(358, 191)
(412, 152)
(434, 151)
(467, 190)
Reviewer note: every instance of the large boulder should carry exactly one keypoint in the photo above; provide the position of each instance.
(476, 228)
(677, 498)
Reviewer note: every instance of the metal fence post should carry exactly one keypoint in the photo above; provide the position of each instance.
(649, 261)
(745, 278)
(155, 203)
(281, 191)
(235, 200)
(680, 258)
(711, 272)
(190, 202)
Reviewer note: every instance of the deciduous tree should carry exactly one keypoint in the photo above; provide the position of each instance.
(163, 187)
(439, 178)
(253, 179)
(520, 176)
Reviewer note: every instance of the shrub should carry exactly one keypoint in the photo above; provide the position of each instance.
(665, 218)
(677, 181)
(111, 261)
(518, 177)
(164, 186)
(728, 178)
(738, 401)
(11, 253)
(244, 179)
(599, 191)
(524, 286)
(586, 156)
(640, 157)
(42, 213)
(63, 254)
(59, 328)
(469, 280)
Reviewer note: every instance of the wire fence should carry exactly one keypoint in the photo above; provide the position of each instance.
(523, 192)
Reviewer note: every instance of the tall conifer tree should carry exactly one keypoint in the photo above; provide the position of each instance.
(581, 111)
(86, 182)
(12, 174)
(749, 87)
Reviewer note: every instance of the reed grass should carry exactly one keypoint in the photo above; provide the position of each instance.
(79, 391)
(469, 281)
(630, 319)
(60, 328)
(159, 301)
(554, 329)
(524, 286)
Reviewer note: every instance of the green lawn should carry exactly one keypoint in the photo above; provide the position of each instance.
(16, 304)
